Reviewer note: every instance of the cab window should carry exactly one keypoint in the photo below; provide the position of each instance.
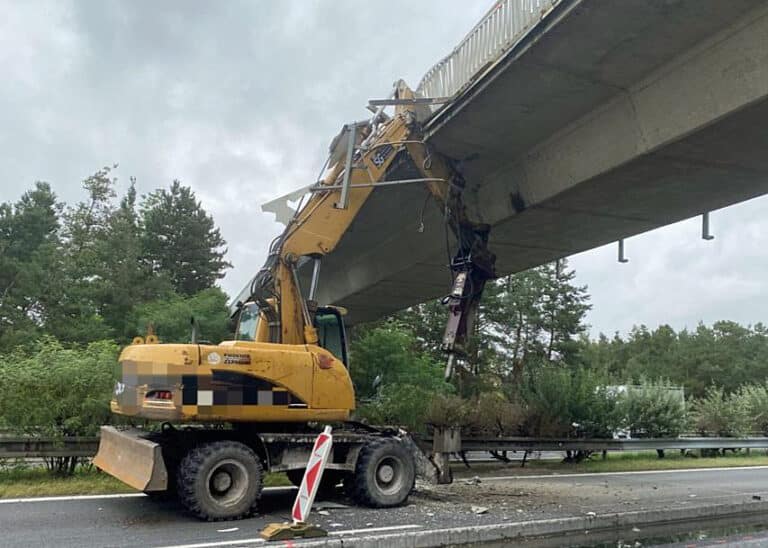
(249, 321)
(330, 333)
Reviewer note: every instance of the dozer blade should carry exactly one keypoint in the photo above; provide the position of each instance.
(132, 459)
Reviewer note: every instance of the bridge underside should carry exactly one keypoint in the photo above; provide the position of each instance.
(612, 119)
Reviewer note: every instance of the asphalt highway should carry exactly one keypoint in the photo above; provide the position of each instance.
(136, 520)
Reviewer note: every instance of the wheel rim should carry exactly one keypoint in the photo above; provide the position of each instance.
(227, 482)
(389, 475)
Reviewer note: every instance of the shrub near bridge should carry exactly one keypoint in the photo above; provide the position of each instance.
(755, 398)
(53, 391)
(564, 402)
(653, 409)
(721, 415)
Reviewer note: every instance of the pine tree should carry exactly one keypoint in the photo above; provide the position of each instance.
(564, 306)
(180, 240)
(28, 246)
(126, 279)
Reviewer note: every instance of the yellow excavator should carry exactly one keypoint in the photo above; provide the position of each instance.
(225, 414)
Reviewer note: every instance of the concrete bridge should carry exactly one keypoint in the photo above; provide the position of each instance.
(577, 123)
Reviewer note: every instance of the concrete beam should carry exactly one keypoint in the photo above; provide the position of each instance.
(685, 137)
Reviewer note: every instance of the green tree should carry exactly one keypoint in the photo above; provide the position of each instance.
(125, 279)
(74, 311)
(171, 316)
(29, 245)
(180, 239)
(564, 306)
(394, 378)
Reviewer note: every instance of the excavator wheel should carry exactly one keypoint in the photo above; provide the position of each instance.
(220, 480)
(384, 474)
(328, 483)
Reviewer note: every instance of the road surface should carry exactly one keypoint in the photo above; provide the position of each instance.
(136, 520)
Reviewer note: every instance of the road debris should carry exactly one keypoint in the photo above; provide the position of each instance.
(230, 530)
(328, 505)
(479, 509)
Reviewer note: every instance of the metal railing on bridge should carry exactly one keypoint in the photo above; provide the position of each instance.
(501, 28)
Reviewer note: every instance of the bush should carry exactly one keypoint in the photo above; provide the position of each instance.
(397, 382)
(491, 414)
(389, 356)
(55, 391)
(653, 409)
(755, 398)
(564, 402)
(403, 405)
(720, 415)
(447, 410)
(49, 390)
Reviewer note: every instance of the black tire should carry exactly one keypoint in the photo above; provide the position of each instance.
(220, 480)
(328, 483)
(384, 474)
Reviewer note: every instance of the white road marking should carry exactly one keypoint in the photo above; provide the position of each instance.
(457, 480)
(632, 473)
(216, 544)
(100, 497)
(375, 529)
(75, 497)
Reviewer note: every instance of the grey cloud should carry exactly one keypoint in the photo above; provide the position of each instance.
(240, 99)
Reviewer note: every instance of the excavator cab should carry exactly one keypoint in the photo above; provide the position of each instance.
(331, 333)
(328, 321)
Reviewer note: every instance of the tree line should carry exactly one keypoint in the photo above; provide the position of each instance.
(80, 280)
(103, 268)
(533, 369)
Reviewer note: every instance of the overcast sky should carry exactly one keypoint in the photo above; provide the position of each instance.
(239, 100)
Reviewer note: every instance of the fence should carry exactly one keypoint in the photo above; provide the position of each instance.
(501, 28)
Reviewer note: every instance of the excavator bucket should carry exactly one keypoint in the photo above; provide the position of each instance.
(131, 458)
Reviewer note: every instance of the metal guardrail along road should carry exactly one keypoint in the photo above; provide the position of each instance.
(649, 444)
(31, 447)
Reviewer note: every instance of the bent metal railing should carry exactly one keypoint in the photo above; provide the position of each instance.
(502, 27)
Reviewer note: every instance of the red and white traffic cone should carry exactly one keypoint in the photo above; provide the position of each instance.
(306, 496)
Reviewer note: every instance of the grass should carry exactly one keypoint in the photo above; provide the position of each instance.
(20, 482)
(38, 482)
(629, 462)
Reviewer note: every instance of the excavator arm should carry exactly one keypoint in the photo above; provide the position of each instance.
(359, 161)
